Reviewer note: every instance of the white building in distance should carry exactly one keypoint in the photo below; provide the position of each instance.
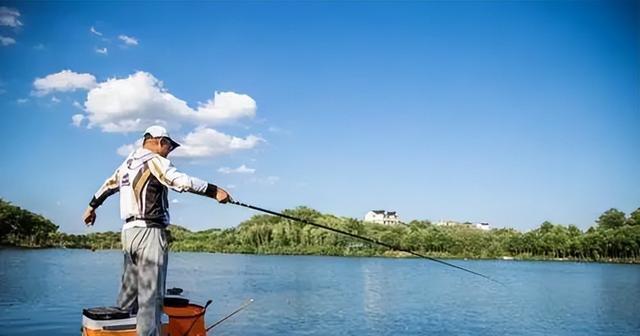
(382, 217)
(447, 223)
(482, 226)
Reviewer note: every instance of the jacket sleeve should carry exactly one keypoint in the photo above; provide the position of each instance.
(108, 188)
(168, 175)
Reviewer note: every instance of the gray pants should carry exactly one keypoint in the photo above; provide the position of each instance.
(143, 280)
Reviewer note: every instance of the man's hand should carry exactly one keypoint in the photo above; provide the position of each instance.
(223, 196)
(89, 216)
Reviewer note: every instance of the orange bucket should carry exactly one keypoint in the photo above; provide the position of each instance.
(189, 318)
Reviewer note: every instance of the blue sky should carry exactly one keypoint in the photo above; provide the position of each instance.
(509, 113)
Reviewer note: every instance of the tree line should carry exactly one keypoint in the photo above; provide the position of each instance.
(614, 237)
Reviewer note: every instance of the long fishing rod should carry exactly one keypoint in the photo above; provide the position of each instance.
(370, 240)
(244, 305)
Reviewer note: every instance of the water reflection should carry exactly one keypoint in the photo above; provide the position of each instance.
(372, 289)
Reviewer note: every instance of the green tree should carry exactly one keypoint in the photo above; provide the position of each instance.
(24, 228)
(634, 218)
(611, 219)
(615, 238)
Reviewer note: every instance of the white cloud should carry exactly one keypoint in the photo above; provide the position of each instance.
(203, 143)
(95, 32)
(22, 100)
(269, 180)
(9, 17)
(175, 201)
(240, 170)
(226, 106)
(207, 142)
(55, 100)
(102, 51)
(128, 40)
(278, 130)
(133, 103)
(5, 41)
(125, 150)
(39, 46)
(65, 80)
(77, 119)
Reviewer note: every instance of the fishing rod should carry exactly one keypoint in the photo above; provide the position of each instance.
(367, 239)
(244, 305)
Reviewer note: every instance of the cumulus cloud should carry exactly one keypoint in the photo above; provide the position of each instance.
(240, 170)
(225, 106)
(128, 40)
(65, 80)
(9, 17)
(139, 100)
(5, 41)
(133, 103)
(203, 143)
(95, 32)
(125, 150)
(102, 51)
(207, 142)
(22, 100)
(77, 119)
(55, 100)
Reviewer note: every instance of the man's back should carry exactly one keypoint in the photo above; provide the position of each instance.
(142, 195)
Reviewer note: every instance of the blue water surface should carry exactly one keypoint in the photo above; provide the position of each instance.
(42, 292)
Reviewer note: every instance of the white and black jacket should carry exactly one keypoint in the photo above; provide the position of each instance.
(143, 180)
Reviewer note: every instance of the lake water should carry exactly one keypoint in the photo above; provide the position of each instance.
(42, 292)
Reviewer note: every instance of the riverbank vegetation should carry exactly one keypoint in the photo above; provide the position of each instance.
(614, 237)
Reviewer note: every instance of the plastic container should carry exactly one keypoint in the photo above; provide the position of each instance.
(185, 320)
(107, 321)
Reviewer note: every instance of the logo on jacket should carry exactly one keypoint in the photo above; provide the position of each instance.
(125, 180)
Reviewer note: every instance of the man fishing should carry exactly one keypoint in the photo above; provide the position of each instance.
(143, 180)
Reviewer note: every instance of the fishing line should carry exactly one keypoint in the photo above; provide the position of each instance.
(244, 305)
(370, 240)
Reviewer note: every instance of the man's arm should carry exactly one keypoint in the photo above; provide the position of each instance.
(108, 188)
(168, 175)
